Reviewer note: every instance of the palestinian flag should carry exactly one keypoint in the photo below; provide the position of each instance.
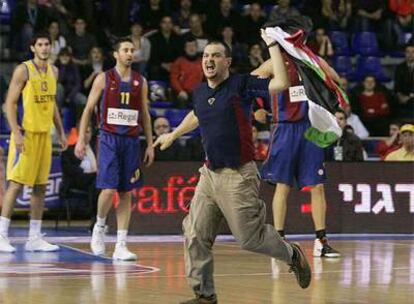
(324, 95)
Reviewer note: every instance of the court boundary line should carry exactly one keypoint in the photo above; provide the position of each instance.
(113, 262)
(226, 238)
(222, 275)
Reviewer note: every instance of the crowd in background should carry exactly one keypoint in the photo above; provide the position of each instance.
(169, 36)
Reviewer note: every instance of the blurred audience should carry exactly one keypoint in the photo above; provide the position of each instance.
(371, 16)
(142, 49)
(58, 42)
(96, 65)
(404, 21)
(194, 150)
(337, 13)
(222, 17)
(404, 84)
(283, 11)
(186, 73)
(321, 44)
(150, 14)
(69, 83)
(392, 143)
(166, 46)
(238, 50)
(81, 42)
(355, 122)
(253, 61)
(197, 32)
(374, 103)
(3, 89)
(81, 174)
(173, 152)
(406, 152)
(353, 119)
(252, 24)
(181, 17)
(27, 18)
(60, 11)
(349, 146)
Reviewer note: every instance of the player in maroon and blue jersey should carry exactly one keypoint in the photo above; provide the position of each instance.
(121, 97)
(292, 159)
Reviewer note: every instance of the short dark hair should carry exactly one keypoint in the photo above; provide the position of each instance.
(166, 16)
(370, 76)
(190, 39)
(339, 110)
(409, 43)
(118, 42)
(227, 50)
(137, 23)
(80, 18)
(65, 51)
(40, 35)
(292, 24)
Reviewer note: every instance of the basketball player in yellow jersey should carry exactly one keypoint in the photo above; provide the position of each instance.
(30, 152)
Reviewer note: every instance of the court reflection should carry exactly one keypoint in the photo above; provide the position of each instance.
(368, 272)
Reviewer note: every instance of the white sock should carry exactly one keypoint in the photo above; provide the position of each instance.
(100, 221)
(4, 226)
(122, 236)
(34, 227)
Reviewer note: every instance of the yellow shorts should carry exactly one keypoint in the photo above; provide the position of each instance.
(32, 166)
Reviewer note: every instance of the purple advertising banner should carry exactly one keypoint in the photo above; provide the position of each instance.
(369, 197)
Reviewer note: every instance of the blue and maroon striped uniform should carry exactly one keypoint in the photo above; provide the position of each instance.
(224, 115)
(119, 122)
(292, 159)
(285, 108)
(119, 104)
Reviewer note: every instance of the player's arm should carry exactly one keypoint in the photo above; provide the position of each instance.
(57, 120)
(265, 70)
(281, 82)
(146, 123)
(329, 70)
(93, 98)
(16, 86)
(189, 123)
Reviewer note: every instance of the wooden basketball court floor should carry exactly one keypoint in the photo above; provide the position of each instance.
(370, 271)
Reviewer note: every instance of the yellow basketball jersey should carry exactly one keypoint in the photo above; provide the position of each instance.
(39, 98)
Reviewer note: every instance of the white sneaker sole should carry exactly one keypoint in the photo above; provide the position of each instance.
(41, 250)
(332, 255)
(127, 259)
(318, 254)
(8, 250)
(97, 252)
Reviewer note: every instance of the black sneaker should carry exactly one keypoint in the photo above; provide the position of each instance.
(202, 300)
(300, 266)
(321, 248)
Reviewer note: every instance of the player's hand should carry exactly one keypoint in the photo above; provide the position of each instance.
(18, 141)
(62, 141)
(268, 40)
(80, 149)
(260, 115)
(149, 156)
(164, 141)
